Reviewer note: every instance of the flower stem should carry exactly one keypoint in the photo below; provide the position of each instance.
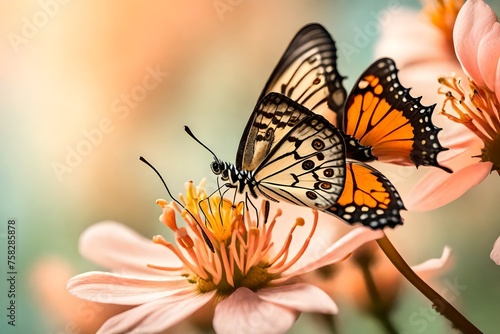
(379, 311)
(438, 302)
(330, 322)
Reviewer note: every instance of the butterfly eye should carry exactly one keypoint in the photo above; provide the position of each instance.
(215, 166)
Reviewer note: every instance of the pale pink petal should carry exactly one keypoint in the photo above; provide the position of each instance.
(301, 296)
(156, 316)
(398, 36)
(495, 252)
(458, 139)
(497, 83)
(473, 22)
(244, 312)
(335, 253)
(115, 289)
(488, 56)
(121, 249)
(433, 267)
(438, 188)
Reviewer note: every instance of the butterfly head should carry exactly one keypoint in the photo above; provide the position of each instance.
(217, 166)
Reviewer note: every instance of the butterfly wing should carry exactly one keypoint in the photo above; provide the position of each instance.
(381, 114)
(368, 198)
(273, 117)
(307, 72)
(306, 166)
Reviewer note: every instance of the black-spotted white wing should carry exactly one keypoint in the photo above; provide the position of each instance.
(307, 165)
(307, 72)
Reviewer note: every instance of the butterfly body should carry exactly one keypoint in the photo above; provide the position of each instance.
(242, 180)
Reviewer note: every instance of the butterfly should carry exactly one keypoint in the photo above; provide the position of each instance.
(289, 151)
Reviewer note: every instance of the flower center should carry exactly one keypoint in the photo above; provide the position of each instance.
(478, 111)
(491, 152)
(442, 14)
(239, 255)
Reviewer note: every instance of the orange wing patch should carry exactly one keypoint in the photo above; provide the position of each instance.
(368, 198)
(381, 115)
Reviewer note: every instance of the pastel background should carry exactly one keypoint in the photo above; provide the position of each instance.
(86, 87)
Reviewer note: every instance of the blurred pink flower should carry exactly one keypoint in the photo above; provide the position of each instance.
(448, 38)
(495, 253)
(62, 312)
(230, 262)
(348, 282)
(475, 109)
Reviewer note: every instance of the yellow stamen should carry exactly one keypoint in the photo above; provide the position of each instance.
(479, 111)
(168, 215)
(227, 266)
(158, 239)
(183, 238)
(152, 266)
(240, 246)
(302, 249)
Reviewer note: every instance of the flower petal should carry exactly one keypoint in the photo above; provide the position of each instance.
(474, 21)
(433, 267)
(495, 252)
(488, 56)
(497, 82)
(458, 139)
(245, 312)
(335, 253)
(115, 289)
(398, 36)
(301, 296)
(438, 188)
(121, 249)
(156, 316)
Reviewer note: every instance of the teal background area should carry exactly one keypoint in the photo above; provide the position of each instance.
(66, 80)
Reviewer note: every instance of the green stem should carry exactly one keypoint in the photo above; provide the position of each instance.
(379, 311)
(330, 322)
(439, 303)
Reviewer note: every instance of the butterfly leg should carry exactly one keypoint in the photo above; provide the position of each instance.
(249, 200)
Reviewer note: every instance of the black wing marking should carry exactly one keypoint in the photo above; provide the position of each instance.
(382, 114)
(273, 117)
(368, 198)
(307, 166)
(307, 72)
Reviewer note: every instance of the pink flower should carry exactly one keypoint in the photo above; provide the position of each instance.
(495, 253)
(227, 261)
(61, 311)
(475, 109)
(421, 43)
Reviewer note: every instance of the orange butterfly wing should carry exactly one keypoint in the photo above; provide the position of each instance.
(368, 198)
(382, 115)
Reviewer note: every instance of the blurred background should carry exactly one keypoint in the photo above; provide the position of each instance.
(89, 86)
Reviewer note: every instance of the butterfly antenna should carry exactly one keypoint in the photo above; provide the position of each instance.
(162, 180)
(191, 134)
(205, 237)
